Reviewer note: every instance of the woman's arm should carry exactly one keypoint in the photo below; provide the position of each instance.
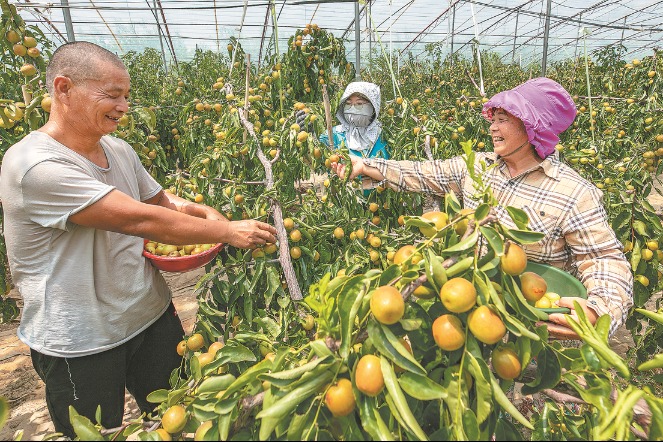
(433, 177)
(600, 262)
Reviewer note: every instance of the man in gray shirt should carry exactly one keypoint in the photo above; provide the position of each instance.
(77, 203)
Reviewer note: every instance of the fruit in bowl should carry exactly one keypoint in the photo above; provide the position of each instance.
(161, 249)
(172, 258)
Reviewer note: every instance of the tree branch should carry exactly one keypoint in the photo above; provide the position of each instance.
(277, 213)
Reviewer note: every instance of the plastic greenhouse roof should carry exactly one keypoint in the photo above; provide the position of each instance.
(514, 29)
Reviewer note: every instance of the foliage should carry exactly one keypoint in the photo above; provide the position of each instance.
(271, 377)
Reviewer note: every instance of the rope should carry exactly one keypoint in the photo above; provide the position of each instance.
(109, 30)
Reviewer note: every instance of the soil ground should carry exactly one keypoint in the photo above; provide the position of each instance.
(24, 390)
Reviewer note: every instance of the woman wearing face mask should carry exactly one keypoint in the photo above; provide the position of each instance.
(360, 131)
(525, 123)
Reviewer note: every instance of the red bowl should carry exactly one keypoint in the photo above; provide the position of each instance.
(182, 263)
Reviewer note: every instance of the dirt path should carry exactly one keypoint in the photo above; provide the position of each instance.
(24, 390)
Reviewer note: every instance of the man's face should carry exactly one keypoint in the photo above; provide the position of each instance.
(98, 104)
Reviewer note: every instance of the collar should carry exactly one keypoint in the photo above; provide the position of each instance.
(550, 165)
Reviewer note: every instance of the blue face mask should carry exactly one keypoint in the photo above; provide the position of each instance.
(359, 115)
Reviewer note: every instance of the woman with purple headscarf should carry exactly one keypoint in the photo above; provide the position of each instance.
(525, 125)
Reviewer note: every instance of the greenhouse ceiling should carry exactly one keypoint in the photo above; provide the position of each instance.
(514, 29)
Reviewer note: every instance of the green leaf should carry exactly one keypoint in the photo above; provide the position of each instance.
(421, 387)
(83, 427)
(494, 239)
(505, 430)
(524, 236)
(435, 273)
(158, 396)
(481, 212)
(284, 378)
(640, 227)
(320, 348)
(297, 425)
(417, 221)
(287, 404)
(506, 404)
(4, 411)
(371, 421)
(175, 396)
(519, 217)
(267, 425)
(248, 376)
(460, 267)
(146, 116)
(589, 356)
(389, 345)
(636, 254)
(214, 384)
(390, 273)
(481, 374)
(589, 334)
(656, 316)
(656, 362)
(656, 425)
(349, 301)
(548, 374)
(390, 381)
(233, 352)
(466, 244)
(471, 425)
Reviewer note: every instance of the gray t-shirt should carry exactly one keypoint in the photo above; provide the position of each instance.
(84, 290)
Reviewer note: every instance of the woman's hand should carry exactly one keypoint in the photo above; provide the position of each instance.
(558, 326)
(358, 168)
(249, 234)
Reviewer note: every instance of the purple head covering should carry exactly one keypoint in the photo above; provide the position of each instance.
(543, 105)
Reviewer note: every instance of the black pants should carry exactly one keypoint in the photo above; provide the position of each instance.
(142, 365)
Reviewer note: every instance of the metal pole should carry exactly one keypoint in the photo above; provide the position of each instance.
(357, 42)
(575, 52)
(370, 37)
(453, 30)
(163, 52)
(67, 20)
(515, 35)
(546, 34)
(621, 40)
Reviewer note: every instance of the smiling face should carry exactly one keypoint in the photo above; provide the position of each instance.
(507, 131)
(99, 103)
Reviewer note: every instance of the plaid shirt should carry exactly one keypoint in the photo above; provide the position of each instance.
(559, 202)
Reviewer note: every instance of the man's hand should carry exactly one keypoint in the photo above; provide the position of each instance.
(358, 168)
(558, 326)
(250, 234)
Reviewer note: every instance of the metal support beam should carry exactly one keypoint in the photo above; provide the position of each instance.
(453, 30)
(163, 52)
(67, 20)
(357, 42)
(515, 35)
(546, 35)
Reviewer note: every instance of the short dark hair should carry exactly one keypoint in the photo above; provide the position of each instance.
(79, 61)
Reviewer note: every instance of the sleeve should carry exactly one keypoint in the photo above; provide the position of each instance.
(599, 260)
(147, 185)
(431, 177)
(53, 190)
